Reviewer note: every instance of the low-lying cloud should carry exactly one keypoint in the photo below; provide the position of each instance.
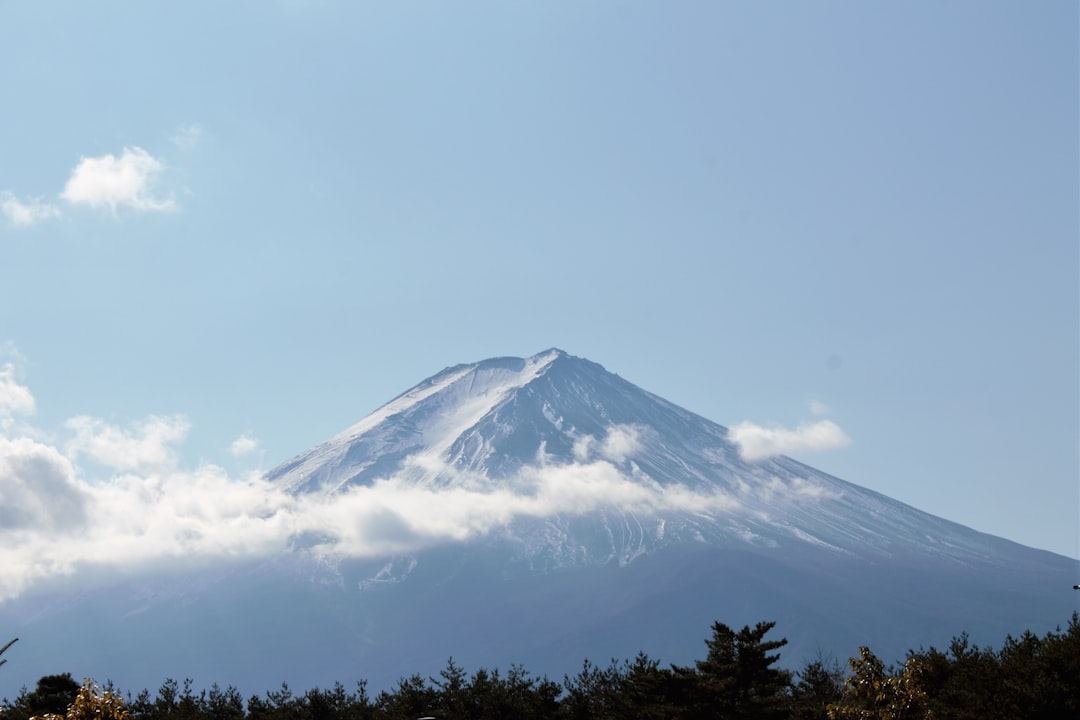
(115, 496)
(756, 442)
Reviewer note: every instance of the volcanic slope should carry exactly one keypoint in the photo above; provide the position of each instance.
(686, 533)
(508, 423)
(552, 511)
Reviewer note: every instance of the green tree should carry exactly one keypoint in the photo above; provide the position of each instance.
(650, 692)
(412, 698)
(1041, 675)
(221, 704)
(816, 687)
(591, 694)
(737, 678)
(964, 683)
(53, 695)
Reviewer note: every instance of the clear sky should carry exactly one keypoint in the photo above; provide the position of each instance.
(232, 229)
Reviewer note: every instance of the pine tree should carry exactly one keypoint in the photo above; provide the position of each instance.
(736, 679)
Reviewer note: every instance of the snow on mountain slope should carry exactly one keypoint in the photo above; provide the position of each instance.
(509, 423)
(595, 520)
(427, 417)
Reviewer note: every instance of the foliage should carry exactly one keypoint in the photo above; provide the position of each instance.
(91, 703)
(872, 693)
(816, 687)
(1029, 677)
(736, 679)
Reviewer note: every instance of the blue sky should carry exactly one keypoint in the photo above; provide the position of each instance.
(230, 230)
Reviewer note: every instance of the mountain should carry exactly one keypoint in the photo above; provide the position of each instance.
(539, 511)
(499, 418)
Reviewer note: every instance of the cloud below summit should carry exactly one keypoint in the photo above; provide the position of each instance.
(756, 442)
(102, 495)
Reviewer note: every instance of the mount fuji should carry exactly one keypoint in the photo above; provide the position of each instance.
(551, 511)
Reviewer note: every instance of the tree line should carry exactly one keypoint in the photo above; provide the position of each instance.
(1029, 676)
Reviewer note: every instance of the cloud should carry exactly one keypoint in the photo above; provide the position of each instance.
(187, 137)
(15, 399)
(133, 506)
(621, 442)
(758, 443)
(617, 445)
(819, 408)
(146, 445)
(243, 445)
(117, 182)
(38, 488)
(25, 214)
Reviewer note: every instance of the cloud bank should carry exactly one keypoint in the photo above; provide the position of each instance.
(758, 443)
(114, 496)
(114, 182)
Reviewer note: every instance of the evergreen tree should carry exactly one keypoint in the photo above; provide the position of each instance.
(223, 704)
(736, 679)
(816, 687)
(412, 698)
(53, 695)
(650, 692)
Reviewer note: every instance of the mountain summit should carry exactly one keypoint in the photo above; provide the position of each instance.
(506, 423)
(537, 511)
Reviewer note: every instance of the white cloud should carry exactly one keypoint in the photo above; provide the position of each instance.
(621, 442)
(15, 399)
(25, 214)
(58, 518)
(146, 445)
(757, 443)
(38, 487)
(618, 444)
(117, 182)
(819, 408)
(243, 445)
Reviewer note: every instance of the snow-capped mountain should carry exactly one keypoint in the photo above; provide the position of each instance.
(553, 511)
(496, 423)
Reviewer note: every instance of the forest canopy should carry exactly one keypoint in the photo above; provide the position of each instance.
(1029, 676)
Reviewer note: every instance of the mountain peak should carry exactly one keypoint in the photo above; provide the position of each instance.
(551, 420)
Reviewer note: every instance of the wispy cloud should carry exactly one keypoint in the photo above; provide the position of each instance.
(26, 213)
(144, 446)
(112, 182)
(756, 442)
(187, 137)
